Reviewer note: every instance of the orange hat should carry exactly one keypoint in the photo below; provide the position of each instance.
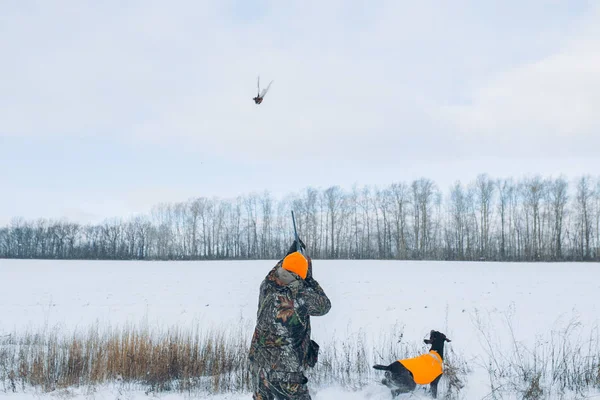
(296, 263)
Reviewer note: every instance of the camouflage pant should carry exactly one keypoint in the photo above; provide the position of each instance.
(278, 385)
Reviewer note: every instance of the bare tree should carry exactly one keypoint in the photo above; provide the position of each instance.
(529, 219)
(236, 227)
(423, 193)
(366, 221)
(505, 188)
(334, 199)
(311, 229)
(382, 203)
(459, 216)
(485, 191)
(266, 235)
(559, 199)
(400, 193)
(597, 212)
(218, 228)
(354, 241)
(533, 192)
(584, 217)
(111, 230)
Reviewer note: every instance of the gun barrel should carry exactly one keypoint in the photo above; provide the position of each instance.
(296, 234)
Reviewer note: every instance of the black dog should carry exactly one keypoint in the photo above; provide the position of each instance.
(402, 376)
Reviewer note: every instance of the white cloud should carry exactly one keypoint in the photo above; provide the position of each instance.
(362, 91)
(347, 75)
(550, 104)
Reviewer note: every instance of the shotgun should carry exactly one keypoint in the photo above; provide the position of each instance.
(298, 245)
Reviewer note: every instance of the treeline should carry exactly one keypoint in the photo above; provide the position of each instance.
(532, 219)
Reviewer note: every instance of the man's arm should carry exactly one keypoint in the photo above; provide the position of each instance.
(315, 299)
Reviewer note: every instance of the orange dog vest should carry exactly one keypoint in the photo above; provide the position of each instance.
(425, 368)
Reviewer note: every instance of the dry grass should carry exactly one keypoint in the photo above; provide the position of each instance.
(193, 361)
(154, 359)
(200, 361)
(349, 363)
(561, 364)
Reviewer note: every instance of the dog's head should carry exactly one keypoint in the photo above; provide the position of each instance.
(436, 337)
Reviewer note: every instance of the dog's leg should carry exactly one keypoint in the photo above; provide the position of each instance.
(434, 386)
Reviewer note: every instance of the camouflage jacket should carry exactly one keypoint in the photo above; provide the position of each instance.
(282, 335)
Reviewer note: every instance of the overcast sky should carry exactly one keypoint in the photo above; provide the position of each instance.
(108, 108)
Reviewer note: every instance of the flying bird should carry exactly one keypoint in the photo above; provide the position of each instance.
(261, 95)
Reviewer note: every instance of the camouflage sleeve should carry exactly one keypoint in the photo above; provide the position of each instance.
(315, 299)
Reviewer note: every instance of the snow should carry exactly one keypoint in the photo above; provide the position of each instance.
(371, 298)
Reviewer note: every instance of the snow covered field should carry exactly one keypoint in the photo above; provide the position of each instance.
(505, 302)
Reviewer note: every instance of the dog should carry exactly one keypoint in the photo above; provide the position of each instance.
(402, 376)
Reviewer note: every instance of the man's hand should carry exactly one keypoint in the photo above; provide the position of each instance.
(309, 274)
(295, 247)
